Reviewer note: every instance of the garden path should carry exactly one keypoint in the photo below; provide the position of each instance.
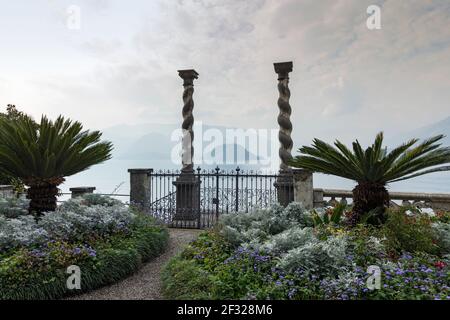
(146, 283)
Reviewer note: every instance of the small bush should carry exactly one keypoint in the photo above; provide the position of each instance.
(183, 280)
(13, 207)
(317, 257)
(410, 233)
(442, 231)
(290, 239)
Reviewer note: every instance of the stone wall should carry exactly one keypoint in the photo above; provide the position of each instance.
(6, 191)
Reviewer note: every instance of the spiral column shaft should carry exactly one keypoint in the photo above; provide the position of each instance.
(187, 154)
(284, 134)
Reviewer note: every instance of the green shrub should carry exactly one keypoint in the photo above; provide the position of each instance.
(184, 280)
(442, 231)
(329, 216)
(367, 244)
(410, 233)
(13, 207)
(209, 250)
(242, 273)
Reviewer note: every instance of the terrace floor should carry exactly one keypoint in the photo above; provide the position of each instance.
(146, 283)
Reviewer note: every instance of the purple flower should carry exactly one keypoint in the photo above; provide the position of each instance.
(399, 271)
(407, 256)
(37, 253)
(292, 293)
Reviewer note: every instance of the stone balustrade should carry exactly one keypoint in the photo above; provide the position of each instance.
(6, 191)
(435, 201)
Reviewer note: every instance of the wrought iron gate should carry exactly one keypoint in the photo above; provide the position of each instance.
(214, 192)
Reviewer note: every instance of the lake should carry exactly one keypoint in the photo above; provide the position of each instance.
(108, 176)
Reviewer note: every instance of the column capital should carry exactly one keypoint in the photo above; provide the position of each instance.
(283, 69)
(140, 171)
(188, 76)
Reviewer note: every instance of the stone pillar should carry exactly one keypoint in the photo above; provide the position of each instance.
(187, 157)
(140, 188)
(303, 188)
(318, 198)
(284, 183)
(187, 184)
(81, 191)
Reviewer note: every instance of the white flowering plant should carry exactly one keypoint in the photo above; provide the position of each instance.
(77, 219)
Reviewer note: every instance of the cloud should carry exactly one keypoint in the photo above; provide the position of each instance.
(347, 81)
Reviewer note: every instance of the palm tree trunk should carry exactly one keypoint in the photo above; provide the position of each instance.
(368, 196)
(43, 196)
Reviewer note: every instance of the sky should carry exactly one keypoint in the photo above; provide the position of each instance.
(118, 63)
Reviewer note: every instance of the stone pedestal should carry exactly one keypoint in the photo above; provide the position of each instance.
(285, 187)
(81, 191)
(303, 188)
(140, 188)
(187, 197)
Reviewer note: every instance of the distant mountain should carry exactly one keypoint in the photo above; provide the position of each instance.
(150, 141)
(441, 127)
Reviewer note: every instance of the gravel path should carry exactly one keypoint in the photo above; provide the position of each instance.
(146, 283)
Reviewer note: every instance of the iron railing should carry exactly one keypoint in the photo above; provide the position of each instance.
(214, 192)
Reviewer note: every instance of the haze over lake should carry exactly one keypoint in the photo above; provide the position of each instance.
(150, 146)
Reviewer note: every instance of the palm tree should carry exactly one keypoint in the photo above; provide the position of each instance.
(374, 167)
(12, 114)
(42, 154)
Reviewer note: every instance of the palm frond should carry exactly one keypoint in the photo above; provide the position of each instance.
(375, 164)
(49, 149)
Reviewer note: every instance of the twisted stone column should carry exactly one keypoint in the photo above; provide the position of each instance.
(284, 134)
(285, 181)
(187, 184)
(188, 77)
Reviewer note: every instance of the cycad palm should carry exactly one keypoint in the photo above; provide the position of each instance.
(374, 167)
(42, 154)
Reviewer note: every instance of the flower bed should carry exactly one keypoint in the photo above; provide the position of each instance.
(100, 235)
(294, 254)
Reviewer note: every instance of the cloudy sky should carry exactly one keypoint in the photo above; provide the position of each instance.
(121, 66)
